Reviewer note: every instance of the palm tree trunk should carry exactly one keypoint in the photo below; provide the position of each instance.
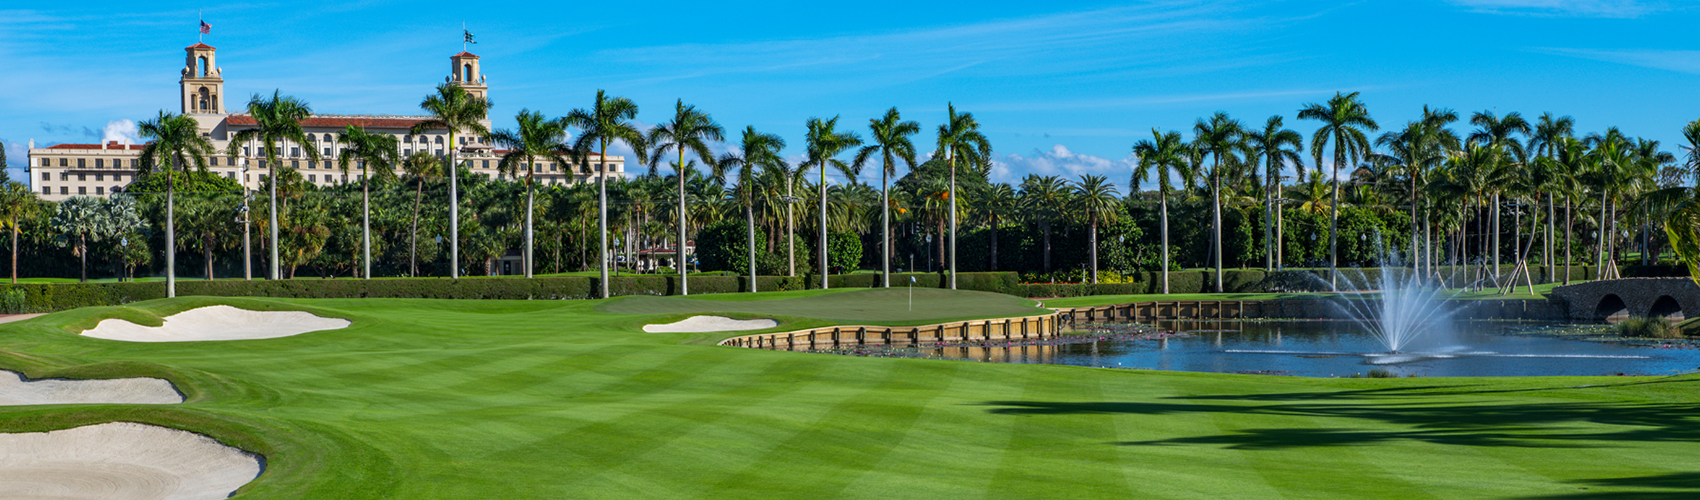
(276, 167)
(1416, 266)
(83, 253)
(14, 250)
(1092, 239)
(790, 232)
(365, 226)
(602, 214)
(1569, 227)
(952, 221)
(1600, 245)
(1280, 237)
(454, 209)
(684, 280)
(1164, 257)
(1268, 222)
(207, 253)
(530, 233)
(1215, 221)
(994, 221)
(413, 235)
(885, 231)
(1334, 223)
(170, 237)
(1046, 224)
(750, 234)
(822, 249)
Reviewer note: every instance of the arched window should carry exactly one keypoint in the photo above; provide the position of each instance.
(203, 65)
(327, 138)
(205, 100)
(439, 139)
(466, 73)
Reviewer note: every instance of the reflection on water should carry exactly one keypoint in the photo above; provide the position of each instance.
(1342, 348)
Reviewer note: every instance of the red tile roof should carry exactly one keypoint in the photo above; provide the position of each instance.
(336, 121)
(119, 147)
(465, 54)
(199, 46)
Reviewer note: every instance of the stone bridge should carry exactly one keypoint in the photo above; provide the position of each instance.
(1674, 298)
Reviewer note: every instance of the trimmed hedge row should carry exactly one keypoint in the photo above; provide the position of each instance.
(1302, 280)
(49, 297)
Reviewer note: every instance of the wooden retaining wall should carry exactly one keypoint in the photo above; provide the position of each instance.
(1297, 309)
(1030, 327)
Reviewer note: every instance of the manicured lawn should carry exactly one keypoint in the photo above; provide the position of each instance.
(1541, 292)
(561, 399)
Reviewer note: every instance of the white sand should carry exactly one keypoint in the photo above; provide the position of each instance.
(699, 324)
(15, 390)
(217, 323)
(121, 460)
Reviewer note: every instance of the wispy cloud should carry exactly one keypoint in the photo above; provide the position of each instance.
(1683, 61)
(1059, 161)
(1576, 8)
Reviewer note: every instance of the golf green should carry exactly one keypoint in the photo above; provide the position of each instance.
(571, 399)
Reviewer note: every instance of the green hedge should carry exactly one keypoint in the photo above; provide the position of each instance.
(51, 297)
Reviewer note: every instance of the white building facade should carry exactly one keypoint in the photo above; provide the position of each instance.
(64, 170)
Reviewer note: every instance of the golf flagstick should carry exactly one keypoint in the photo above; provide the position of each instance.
(911, 294)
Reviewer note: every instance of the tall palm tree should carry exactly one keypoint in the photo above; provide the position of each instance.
(375, 153)
(1042, 197)
(689, 131)
(607, 121)
(1095, 200)
(1276, 147)
(1497, 132)
(1345, 122)
(890, 137)
(824, 143)
(537, 136)
(1159, 157)
(1545, 142)
(759, 151)
(960, 139)
(16, 202)
(277, 120)
(421, 166)
(994, 202)
(1420, 148)
(1221, 138)
(175, 143)
(454, 109)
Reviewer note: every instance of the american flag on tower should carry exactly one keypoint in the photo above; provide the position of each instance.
(206, 28)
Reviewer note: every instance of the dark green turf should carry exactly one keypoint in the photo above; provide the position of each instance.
(558, 399)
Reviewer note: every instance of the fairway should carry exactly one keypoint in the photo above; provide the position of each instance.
(863, 306)
(571, 399)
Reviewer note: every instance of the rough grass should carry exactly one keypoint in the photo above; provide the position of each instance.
(425, 399)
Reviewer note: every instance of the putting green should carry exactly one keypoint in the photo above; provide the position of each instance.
(560, 399)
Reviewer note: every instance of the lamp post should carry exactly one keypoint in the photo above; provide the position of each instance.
(242, 218)
(790, 234)
(124, 242)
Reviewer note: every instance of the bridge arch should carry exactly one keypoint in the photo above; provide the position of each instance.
(1667, 307)
(1610, 305)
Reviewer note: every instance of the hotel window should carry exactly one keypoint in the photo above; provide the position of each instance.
(486, 163)
(407, 152)
(80, 163)
(312, 178)
(407, 139)
(439, 139)
(327, 138)
(439, 153)
(46, 162)
(82, 190)
(46, 177)
(99, 163)
(294, 151)
(552, 167)
(99, 190)
(230, 175)
(134, 164)
(262, 164)
(245, 151)
(64, 162)
(327, 151)
(312, 164)
(63, 190)
(100, 177)
(294, 164)
(46, 190)
(81, 177)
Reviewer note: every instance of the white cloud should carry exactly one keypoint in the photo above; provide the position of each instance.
(1577, 8)
(1682, 61)
(122, 131)
(1060, 161)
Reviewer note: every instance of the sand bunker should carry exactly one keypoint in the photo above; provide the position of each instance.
(697, 324)
(121, 460)
(16, 390)
(217, 323)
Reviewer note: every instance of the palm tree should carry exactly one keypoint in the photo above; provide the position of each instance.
(376, 153)
(1496, 132)
(890, 136)
(1095, 199)
(1221, 138)
(759, 151)
(16, 202)
(960, 139)
(994, 202)
(1414, 152)
(175, 142)
(689, 131)
(1163, 154)
(536, 136)
(276, 120)
(1276, 147)
(421, 166)
(454, 109)
(824, 143)
(1345, 121)
(1545, 142)
(607, 121)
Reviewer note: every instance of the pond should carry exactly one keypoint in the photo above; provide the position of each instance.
(1342, 348)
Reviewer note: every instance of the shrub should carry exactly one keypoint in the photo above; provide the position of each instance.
(12, 302)
(844, 251)
(1645, 327)
(724, 246)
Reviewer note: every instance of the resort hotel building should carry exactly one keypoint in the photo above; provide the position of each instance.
(64, 170)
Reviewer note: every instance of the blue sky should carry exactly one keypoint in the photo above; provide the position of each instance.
(1060, 89)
